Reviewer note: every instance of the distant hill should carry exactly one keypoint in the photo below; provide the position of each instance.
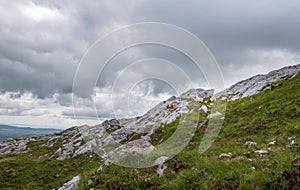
(7, 131)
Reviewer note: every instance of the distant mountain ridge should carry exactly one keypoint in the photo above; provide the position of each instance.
(8, 131)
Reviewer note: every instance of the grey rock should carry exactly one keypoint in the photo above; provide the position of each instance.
(214, 114)
(199, 92)
(86, 148)
(90, 182)
(225, 155)
(139, 146)
(161, 167)
(250, 144)
(203, 108)
(13, 146)
(257, 83)
(70, 185)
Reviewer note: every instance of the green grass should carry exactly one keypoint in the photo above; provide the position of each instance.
(265, 117)
(23, 172)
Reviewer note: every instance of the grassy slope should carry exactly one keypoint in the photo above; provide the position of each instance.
(33, 170)
(270, 115)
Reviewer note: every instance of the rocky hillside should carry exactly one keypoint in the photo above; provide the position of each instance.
(261, 122)
(80, 140)
(258, 83)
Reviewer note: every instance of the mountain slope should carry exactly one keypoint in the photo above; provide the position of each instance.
(258, 147)
(7, 131)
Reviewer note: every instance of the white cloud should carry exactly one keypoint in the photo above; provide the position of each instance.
(28, 110)
(39, 13)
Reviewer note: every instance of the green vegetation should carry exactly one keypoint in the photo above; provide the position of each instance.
(132, 136)
(113, 128)
(272, 115)
(30, 171)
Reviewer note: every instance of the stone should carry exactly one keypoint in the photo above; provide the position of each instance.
(70, 185)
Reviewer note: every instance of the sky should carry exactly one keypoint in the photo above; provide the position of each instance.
(44, 41)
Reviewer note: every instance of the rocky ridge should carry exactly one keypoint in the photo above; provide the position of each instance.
(258, 83)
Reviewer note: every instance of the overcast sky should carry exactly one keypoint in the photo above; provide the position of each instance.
(43, 41)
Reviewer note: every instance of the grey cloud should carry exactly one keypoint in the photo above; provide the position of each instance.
(233, 24)
(41, 55)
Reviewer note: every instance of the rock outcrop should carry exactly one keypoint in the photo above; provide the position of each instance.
(258, 83)
(70, 185)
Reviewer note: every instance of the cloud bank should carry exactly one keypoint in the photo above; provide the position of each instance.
(42, 43)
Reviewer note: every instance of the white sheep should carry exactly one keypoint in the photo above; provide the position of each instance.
(169, 104)
(213, 99)
(197, 99)
(224, 99)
